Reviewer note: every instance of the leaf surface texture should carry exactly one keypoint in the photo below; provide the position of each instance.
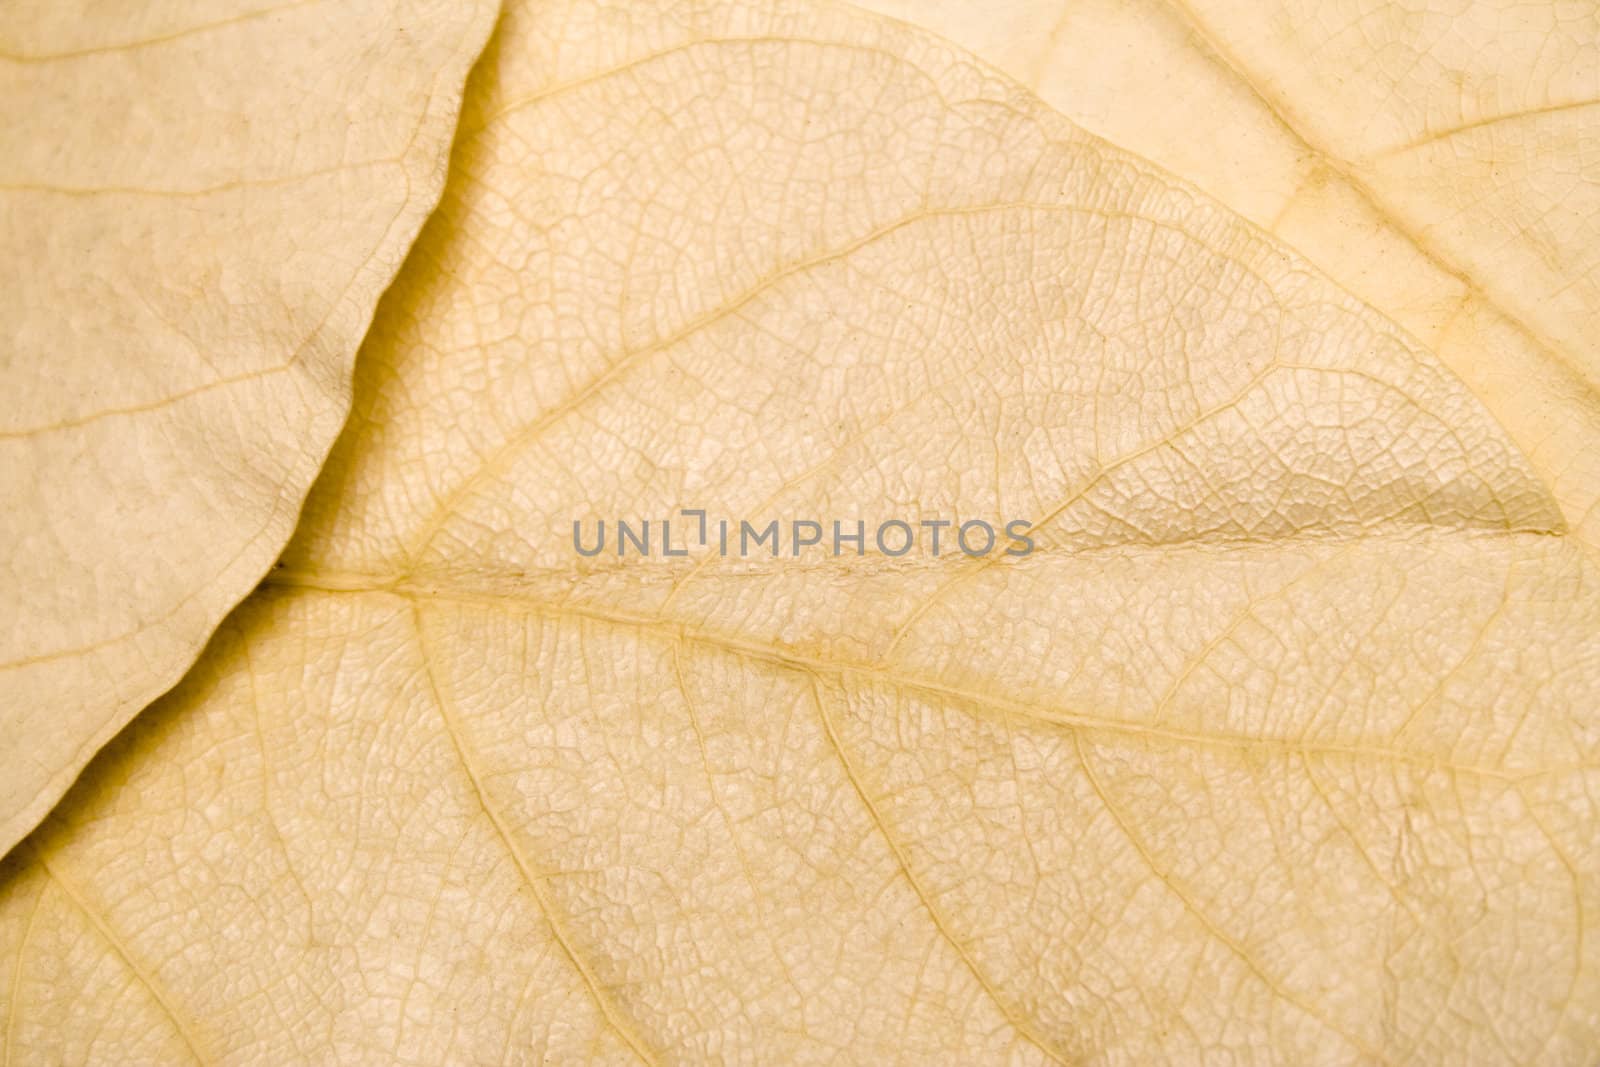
(200, 204)
(1436, 160)
(1279, 748)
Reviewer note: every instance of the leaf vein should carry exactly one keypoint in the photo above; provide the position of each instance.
(111, 938)
(533, 879)
(1017, 1020)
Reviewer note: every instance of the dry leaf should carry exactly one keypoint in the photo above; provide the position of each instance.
(200, 206)
(1436, 160)
(1278, 748)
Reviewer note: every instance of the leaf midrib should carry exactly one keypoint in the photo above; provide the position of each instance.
(791, 659)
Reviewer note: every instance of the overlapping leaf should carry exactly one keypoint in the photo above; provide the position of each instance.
(1279, 748)
(199, 207)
